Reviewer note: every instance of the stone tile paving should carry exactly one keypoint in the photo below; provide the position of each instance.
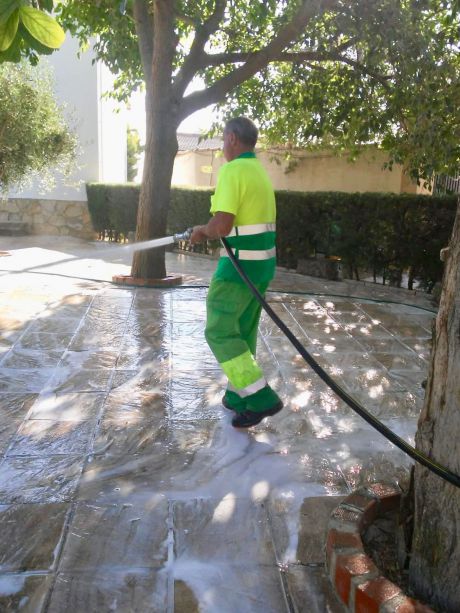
(123, 486)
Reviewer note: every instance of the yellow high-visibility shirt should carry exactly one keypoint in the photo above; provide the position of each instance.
(245, 190)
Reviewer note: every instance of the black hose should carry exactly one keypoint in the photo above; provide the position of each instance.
(416, 455)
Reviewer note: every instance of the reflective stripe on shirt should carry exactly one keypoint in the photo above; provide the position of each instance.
(247, 230)
(246, 254)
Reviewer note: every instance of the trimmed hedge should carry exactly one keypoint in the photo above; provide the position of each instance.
(383, 233)
(113, 208)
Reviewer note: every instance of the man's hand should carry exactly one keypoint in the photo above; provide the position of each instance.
(219, 225)
(198, 235)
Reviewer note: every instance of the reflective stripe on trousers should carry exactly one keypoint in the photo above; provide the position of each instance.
(244, 374)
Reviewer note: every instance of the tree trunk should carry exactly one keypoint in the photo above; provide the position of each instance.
(154, 200)
(411, 278)
(161, 142)
(435, 556)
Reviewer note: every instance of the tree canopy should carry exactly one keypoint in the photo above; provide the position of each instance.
(34, 136)
(356, 72)
(396, 85)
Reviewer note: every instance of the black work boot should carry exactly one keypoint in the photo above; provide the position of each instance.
(246, 419)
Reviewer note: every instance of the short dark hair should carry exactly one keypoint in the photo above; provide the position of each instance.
(245, 130)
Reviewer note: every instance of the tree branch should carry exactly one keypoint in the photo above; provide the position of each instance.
(194, 57)
(256, 61)
(219, 59)
(144, 29)
(382, 79)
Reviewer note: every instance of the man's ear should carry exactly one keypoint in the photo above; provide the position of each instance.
(233, 138)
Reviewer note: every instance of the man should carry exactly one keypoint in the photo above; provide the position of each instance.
(244, 211)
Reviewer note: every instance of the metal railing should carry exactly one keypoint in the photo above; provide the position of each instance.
(444, 184)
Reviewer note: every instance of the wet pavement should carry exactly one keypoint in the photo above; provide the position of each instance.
(123, 486)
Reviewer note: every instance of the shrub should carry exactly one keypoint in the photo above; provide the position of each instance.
(378, 232)
(35, 139)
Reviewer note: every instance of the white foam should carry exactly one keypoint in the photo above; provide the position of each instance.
(11, 584)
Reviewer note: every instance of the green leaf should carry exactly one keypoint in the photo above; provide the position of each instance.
(7, 7)
(8, 30)
(47, 5)
(13, 53)
(32, 43)
(42, 27)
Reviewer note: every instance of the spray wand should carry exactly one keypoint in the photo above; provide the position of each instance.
(183, 236)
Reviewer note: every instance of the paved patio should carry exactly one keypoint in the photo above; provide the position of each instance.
(123, 486)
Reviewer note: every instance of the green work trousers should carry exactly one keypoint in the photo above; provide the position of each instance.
(232, 322)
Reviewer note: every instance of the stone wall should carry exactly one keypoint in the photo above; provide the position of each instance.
(49, 217)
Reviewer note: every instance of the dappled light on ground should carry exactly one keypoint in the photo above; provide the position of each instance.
(114, 441)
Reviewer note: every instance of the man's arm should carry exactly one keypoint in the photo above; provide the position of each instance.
(219, 225)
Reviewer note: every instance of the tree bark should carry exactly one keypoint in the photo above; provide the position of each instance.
(144, 29)
(161, 143)
(435, 556)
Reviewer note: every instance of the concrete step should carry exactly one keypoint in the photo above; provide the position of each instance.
(13, 228)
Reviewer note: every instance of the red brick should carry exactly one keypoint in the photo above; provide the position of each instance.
(409, 605)
(388, 496)
(369, 507)
(337, 540)
(383, 489)
(371, 595)
(343, 514)
(358, 501)
(347, 567)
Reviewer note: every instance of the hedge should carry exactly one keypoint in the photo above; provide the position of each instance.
(383, 233)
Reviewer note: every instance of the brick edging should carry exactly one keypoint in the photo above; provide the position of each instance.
(357, 581)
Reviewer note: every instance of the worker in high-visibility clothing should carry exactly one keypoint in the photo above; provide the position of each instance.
(244, 211)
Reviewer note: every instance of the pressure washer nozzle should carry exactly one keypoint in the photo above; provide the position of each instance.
(183, 236)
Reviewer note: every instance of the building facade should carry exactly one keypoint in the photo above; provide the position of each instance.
(80, 83)
(198, 162)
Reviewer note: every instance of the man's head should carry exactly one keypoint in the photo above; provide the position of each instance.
(240, 135)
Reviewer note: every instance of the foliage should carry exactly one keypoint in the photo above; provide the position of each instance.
(34, 136)
(395, 83)
(28, 31)
(357, 72)
(376, 232)
(97, 194)
(133, 151)
(113, 207)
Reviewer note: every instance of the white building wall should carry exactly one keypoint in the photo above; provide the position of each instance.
(101, 133)
(111, 131)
